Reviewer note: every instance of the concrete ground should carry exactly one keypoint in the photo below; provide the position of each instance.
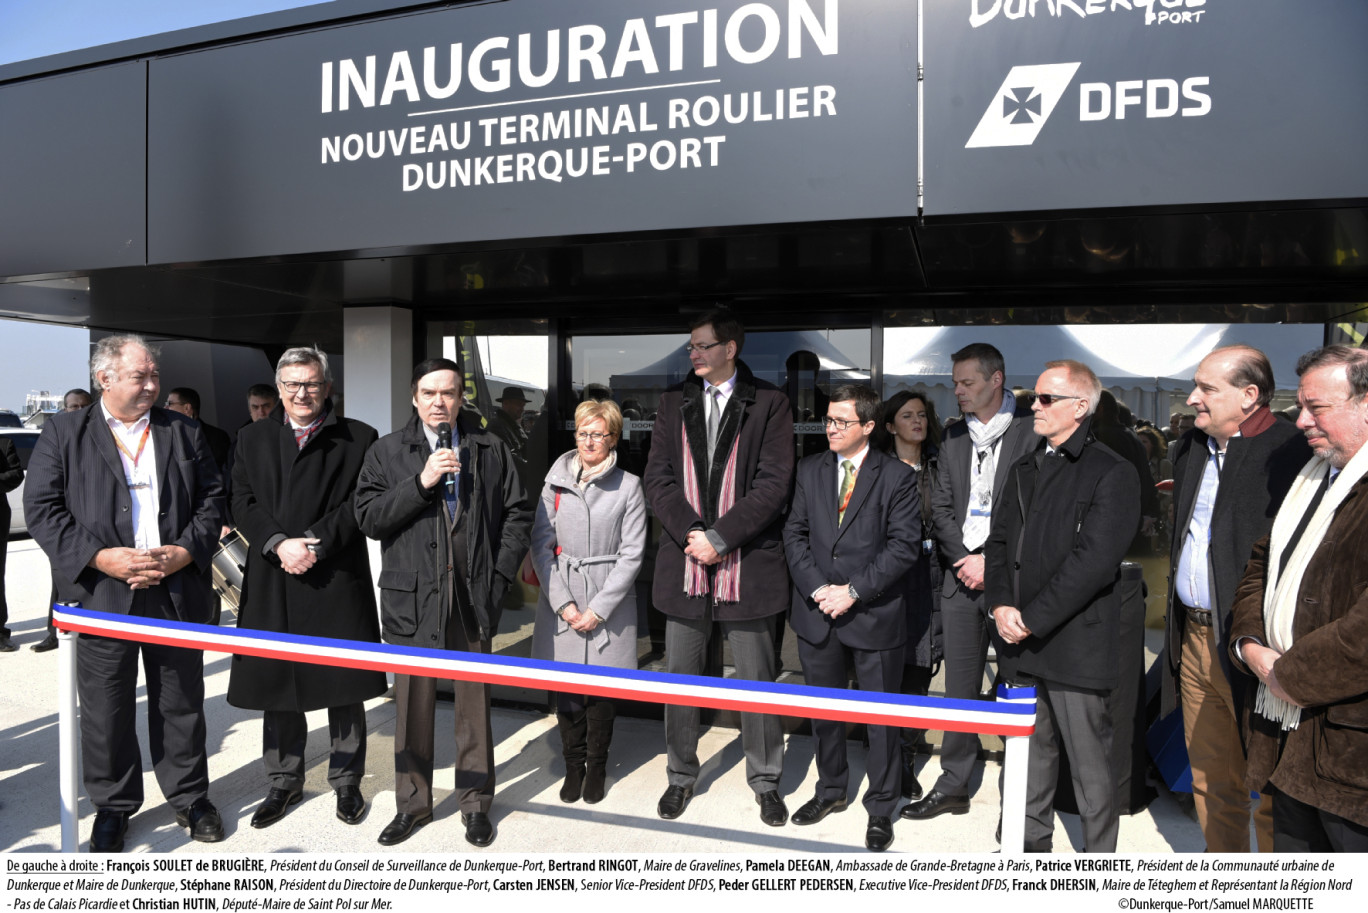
(527, 813)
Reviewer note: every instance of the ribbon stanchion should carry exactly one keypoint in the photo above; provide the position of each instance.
(1013, 721)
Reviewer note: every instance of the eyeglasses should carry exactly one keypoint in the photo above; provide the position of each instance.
(598, 437)
(701, 347)
(294, 386)
(1048, 399)
(839, 424)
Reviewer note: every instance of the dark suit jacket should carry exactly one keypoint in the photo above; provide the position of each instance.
(757, 412)
(873, 549)
(219, 444)
(950, 497)
(1259, 468)
(77, 502)
(11, 474)
(1059, 535)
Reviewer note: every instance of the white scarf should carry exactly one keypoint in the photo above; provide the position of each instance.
(982, 468)
(1282, 585)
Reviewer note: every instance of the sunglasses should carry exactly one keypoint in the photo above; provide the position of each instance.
(1048, 399)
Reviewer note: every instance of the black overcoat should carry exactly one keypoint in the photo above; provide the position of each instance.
(759, 413)
(280, 489)
(1059, 535)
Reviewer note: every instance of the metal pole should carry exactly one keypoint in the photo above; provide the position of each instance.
(68, 783)
(1014, 763)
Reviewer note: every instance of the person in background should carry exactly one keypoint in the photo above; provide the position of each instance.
(11, 476)
(506, 423)
(911, 432)
(186, 401)
(261, 402)
(587, 544)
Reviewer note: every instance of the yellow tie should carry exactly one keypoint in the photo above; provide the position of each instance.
(847, 486)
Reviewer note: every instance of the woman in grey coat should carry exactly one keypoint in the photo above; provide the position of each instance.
(587, 543)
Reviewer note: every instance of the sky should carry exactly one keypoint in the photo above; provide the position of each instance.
(42, 357)
(37, 28)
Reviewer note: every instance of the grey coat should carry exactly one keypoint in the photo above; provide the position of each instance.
(601, 534)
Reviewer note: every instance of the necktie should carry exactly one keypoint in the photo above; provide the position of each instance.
(847, 486)
(1305, 521)
(714, 419)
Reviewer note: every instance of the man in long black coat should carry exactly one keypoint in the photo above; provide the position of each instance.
(294, 477)
(720, 500)
(1052, 565)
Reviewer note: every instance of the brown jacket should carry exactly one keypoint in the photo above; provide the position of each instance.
(1324, 761)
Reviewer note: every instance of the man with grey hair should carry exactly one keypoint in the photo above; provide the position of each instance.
(126, 500)
(1300, 623)
(1229, 479)
(308, 573)
(1053, 563)
(974, 457)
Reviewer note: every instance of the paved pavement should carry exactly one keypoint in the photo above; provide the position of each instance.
(527, 814)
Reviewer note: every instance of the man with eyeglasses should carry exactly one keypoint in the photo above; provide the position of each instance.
(853, 534)
(974, 457)
(186, 401)
(308, 573)
(718, 478)
(1052, 568)
(444, 498)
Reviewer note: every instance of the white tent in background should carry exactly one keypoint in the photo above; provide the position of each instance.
(1143, 364)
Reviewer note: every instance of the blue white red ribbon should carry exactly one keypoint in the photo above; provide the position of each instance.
(878, 708)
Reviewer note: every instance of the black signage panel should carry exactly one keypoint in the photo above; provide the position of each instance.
(1064, 104)
(534, 118)
(71, 171)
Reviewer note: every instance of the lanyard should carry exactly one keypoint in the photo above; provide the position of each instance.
(142, 442)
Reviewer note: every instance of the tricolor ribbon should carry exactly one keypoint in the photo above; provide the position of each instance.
(879, 708)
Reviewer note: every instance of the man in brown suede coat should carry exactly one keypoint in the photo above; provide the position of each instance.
(1300, 623)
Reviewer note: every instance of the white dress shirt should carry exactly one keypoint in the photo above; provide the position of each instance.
(140, 477)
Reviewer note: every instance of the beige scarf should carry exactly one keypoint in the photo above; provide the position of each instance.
(585, 474)
(1282, 585)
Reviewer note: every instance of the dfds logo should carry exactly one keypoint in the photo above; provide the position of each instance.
(1029, 95)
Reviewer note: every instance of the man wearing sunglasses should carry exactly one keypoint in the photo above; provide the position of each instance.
(996, 431)
(718, 478)
(1052, 565)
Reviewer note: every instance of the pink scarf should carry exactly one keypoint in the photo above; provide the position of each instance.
(728, 575)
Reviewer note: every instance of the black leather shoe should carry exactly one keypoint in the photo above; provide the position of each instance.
(402, 828)
(479, 829)
(46, 644)
(272, 808)
(674, 801)
(879, 833)
(351, 805)
(773, 811)
(107, 836)
(815, 809)
(935, 803)
(206, 826)
(911, 789)
(6, 646)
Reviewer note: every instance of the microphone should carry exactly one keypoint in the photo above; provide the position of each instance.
(444, 443)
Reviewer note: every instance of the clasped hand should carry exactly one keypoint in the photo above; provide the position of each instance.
(141, 568)
(295, 555)
(583, 622)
